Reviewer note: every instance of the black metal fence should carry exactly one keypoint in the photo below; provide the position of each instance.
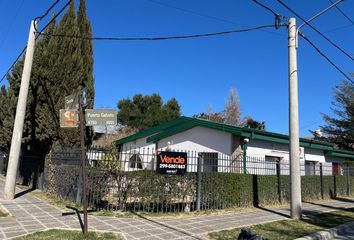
(128, 180)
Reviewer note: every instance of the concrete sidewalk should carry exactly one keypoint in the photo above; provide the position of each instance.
(29, 214)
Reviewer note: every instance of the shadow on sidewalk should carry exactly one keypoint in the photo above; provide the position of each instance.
(24, 192)
(167, 226)
(330, 206)
(273, 211)
(344, 200)
(77, 212)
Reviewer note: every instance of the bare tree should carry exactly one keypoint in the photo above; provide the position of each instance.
(231, 114)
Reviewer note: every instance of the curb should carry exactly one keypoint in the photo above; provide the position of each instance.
(328, 233)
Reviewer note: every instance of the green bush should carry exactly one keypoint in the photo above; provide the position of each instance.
(328, 187)
(224, 190)
(267, 190)
(310, 188)
(148, 191)
(152, 192)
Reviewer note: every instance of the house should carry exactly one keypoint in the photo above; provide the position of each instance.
(227, 148)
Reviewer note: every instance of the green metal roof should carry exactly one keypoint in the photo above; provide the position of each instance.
(340, 153)
(185, 123)
(152, 130)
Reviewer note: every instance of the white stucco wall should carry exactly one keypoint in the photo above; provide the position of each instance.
(197, 140)
(258, 148)
(200, 139)
(146, 153)
(194, 140)
(314, 155)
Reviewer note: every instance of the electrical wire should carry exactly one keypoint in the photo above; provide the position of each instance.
(13, 64)
(266, 7)
(11, 24)
(159, 38)
(277, 16)
(327, 58)
(41, 31)
(317, 31)
(309, 125)
(47, 11)
(53, 19)
(343, 13)
(194, 12)
(205, 15)
(338, 28)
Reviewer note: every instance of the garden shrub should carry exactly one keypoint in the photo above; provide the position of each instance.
(224, 190)
(310, 188)
(113, 189)
(267, 190)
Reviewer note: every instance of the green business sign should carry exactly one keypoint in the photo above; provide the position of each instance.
(100, 117)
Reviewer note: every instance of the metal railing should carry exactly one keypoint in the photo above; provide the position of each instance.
(128, 180)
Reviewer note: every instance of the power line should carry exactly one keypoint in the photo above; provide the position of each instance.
(53, 19)
(11, 24)
(317, 31)
(47, 11)
(40, 17)
(205, 15)
(194, 12)
(159, 38)
(278, 18)
(338, 28)
(266, 7)
(343, 13)
(13, 64)
(327, 58)
(310, 124)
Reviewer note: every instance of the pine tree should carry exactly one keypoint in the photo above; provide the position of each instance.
(8, 105)
(86, 53)
(34, 134)
(340, 128)
(65, 71)
(87, 60)
(7, 112)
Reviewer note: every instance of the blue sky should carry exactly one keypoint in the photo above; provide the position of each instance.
(199, 72)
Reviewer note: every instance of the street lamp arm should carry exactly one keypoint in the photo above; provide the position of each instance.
(314, 17)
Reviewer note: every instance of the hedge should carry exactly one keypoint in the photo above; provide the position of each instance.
(148, 191)
(225, 190)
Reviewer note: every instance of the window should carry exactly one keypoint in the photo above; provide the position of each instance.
(210, 162)
(271, 165)
(135, 161)
(310, 168)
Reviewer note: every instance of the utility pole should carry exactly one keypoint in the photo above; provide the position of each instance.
(10, 183)
(295, 178)
(294, 146)
(83, 161)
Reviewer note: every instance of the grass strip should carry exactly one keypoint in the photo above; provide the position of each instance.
(3, 213)
(291, 229)
(70, 235)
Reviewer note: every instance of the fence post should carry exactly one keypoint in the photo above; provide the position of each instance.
(79, 188)
(348, 180)
(244, 158)
(321, 180)
(280, 197)
(199, 180)
(334, 186)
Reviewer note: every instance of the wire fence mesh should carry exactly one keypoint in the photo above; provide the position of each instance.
(128, 180)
